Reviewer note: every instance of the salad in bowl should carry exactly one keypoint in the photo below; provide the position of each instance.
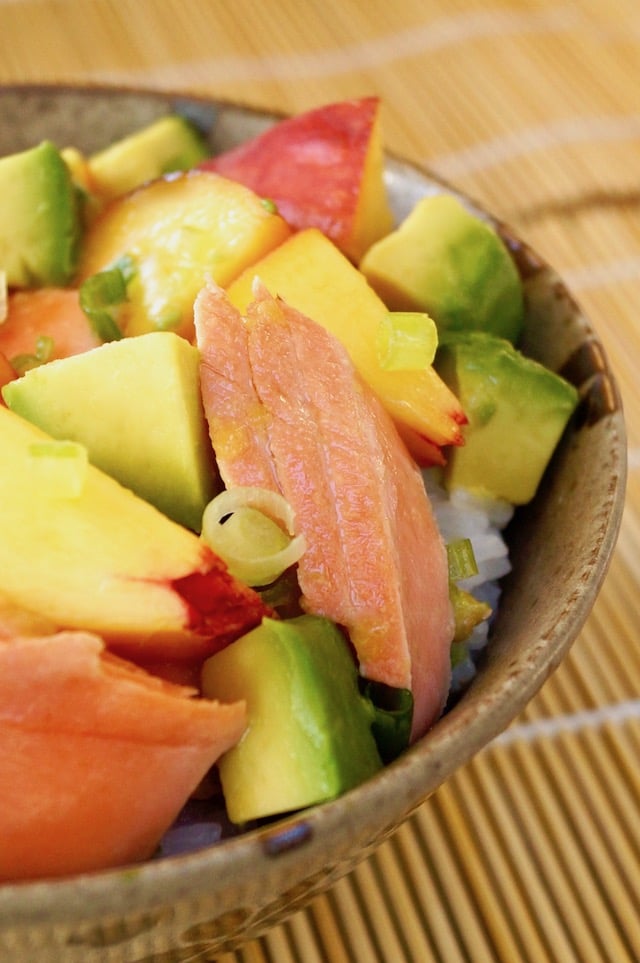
(289, 433)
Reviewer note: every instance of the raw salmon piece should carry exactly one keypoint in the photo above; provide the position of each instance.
(52, 312)
(375, 562)
(96, 756)
(237, 419)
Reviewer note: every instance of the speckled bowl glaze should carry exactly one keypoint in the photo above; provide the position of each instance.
(202, 904)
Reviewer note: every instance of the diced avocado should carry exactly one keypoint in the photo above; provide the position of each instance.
(517, 411)
(446, 261)
(169, 144)
(40, 223)
(78, 166)
(136, 406)
(309, 735)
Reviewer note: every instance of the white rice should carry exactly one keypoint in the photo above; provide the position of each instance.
(462, 514)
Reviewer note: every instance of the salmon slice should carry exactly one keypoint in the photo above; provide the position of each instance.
(235, 415)
(96, 756)
(50, 312)
(375, 562)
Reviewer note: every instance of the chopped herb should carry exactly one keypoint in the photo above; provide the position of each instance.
(102, 295)
(43, 351)
(406, 341)
(461, 558)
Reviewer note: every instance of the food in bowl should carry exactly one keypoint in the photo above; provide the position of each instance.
(124, 295)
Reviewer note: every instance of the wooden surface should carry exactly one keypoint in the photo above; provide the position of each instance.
(532, 852)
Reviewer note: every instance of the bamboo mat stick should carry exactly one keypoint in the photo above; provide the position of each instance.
(313, 943)
(535, 861)
(328, 930)
(257, 953)
(395, 885)
(570, 831)
(484, 876)
(474, 869)
(587, 777)
(438, 926)
(501, 838)
(610, 839)
(406, 908)
(339, 912)
(376, 911)
(545, 852)
(278, 947)
(324, 929)
(615, 749)
(251, 953)
(455, 892)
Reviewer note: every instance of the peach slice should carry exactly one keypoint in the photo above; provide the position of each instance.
(323, 168)
(101, 559)
(174, 233)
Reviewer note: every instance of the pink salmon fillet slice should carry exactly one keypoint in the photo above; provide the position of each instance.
(96, 756)
(287, 411)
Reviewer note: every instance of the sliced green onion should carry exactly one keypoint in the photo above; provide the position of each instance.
(60, 467)
(406, 341)
(24, 362)
(461, 559)
(127, 267)
(4, 297)
(269, 205)
(252, 530)
(102, 295)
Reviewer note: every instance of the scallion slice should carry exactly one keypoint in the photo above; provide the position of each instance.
(61, 467)
(102, 295)
(252, 530)
(461, 559)
(43, 351)
(406, 341)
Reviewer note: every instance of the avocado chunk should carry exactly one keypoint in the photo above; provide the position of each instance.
(169, 144)
(135, 405)
(40, 223)
(308, 737)
(517, 411)
(450, 263)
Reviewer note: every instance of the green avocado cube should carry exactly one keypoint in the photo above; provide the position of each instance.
(136, 406)
(169, 144)
(308, 736)
(451, 263)
(40, 223)
(517, 411)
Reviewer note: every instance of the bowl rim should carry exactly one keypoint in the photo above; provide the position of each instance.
(159, 882)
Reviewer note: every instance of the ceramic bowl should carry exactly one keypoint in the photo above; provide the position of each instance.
(207, 902)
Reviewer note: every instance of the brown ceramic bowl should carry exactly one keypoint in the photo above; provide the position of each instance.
(206, 902)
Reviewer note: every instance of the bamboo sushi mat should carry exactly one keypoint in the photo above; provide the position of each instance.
(532, 851)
